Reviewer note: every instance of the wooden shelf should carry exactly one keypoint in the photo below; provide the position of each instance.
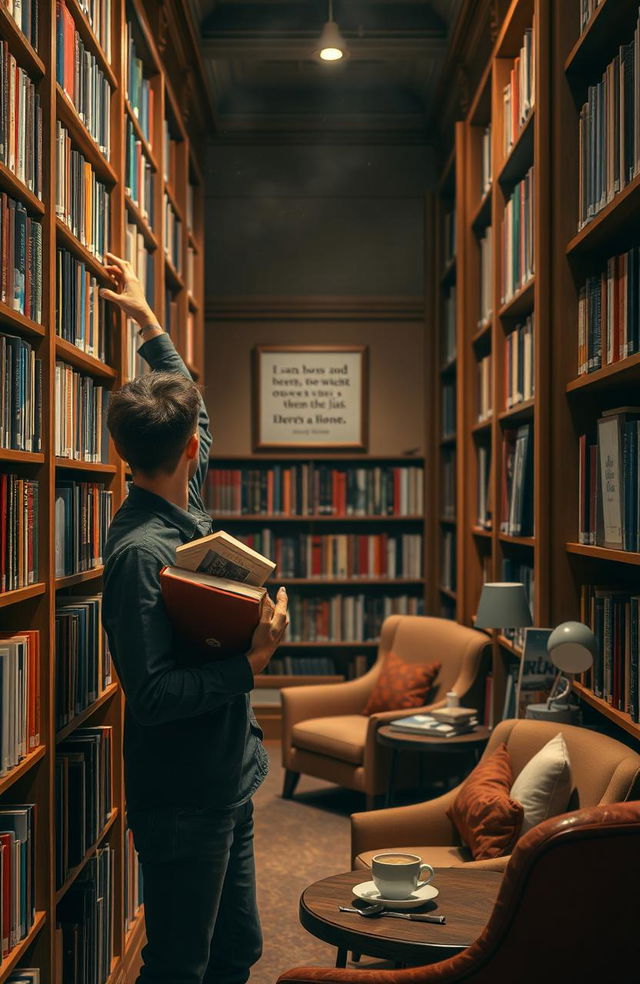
(89, 466)
(448, 520)
(69, 241)
(600, 37)
(17, 322)
(78, 720)
(296, 457)
(15, 955)
(171, 274)
(68, 114)
(520, 411)
(481, 531)
(86, 32)
(620, 718)
(621, 373)
(448, 276)
(146, 146)
(448, 593)
(604, 553)
(510, 647)
(141, 223)
(174, 202)
(17, 189)
(20, 47)
(265, 518)
(449, 367)
(481, 218)
(70, 580)
(482, 425)
(22, 594)
(483, 334)
(266, 682)
(22, 768)
(193, 304)
(521, 303)
(517, 541)
(601, 232)
(69, 352)
(520, 157)
(75, 871)
(21, 457)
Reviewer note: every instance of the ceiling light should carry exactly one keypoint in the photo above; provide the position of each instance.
(331, 45)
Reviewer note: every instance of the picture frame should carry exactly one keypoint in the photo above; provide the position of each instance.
(310, 397)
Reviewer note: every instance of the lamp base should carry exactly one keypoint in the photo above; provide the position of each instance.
(560, 713)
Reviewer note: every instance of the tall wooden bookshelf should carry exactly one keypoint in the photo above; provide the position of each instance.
(34, 606)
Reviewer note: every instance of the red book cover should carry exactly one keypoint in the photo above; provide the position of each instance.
(6, 840)
(219, 622)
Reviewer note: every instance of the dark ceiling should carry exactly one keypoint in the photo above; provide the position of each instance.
(265, 80)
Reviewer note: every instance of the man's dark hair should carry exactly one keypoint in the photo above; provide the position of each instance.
(151, 420)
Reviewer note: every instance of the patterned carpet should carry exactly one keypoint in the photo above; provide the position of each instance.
(297, 842)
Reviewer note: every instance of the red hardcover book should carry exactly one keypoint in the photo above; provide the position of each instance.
(217, 615)
(8, 937)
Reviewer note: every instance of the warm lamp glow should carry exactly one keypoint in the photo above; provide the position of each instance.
(331, 54)
(331, 46)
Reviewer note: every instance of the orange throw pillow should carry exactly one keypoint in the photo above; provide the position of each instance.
(401, 685)
(485, 816)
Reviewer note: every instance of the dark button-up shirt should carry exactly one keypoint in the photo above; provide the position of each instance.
(191, 738)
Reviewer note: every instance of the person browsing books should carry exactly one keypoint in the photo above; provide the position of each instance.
(193, 754)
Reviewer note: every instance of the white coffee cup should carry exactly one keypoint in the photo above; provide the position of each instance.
(396, 874)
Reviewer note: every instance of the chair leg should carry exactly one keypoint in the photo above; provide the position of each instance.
(290, 783)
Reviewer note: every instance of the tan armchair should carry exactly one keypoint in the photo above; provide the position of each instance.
(326, 735)
(604, 771)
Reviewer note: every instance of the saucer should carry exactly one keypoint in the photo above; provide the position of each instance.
(368, 892)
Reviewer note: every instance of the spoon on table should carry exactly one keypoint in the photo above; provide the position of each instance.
(374, 909)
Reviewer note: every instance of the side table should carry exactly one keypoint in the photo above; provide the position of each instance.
(398, 741)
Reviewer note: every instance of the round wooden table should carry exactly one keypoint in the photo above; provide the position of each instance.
(472, 742)
(466, 900)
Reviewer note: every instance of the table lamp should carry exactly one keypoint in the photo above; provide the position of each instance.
(503, 604)
(571, 647)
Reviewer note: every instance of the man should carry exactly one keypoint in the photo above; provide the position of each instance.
(192, 749)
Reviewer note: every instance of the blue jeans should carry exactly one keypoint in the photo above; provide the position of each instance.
(200, 904)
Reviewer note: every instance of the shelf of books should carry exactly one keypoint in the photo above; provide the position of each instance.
(78, 176)
(346, 534)
(596, 542)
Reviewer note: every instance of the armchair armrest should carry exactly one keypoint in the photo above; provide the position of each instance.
(422, 823)
(324, 700)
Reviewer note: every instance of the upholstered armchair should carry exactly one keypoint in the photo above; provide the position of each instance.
(603, 770)
(326, 735)
(566, 911)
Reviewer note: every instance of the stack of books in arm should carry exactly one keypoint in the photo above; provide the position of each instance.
(215, 591)
(443, 722)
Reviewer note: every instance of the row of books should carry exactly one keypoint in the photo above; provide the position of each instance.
(141, 260)
(19, 697)
(83, 795)
(82, 658)
(587, 10)
(609, 482)
(486, 277)
(82, 200)
(85, 922)
(20, 122)
(448, 571)
(614, 617)
(83, 514)
(25, 14)
(25, 975)
(133, 886)
(301, 666)
(344, 555)
(170, 155)
(449, 343)
(522, 572)
(345, 618)
(139, 90)
(310, 489)
(172, 235)
(98, 13)
(486, 167)
(19, 532)
(82, 79)
(80, 431)
(485, 511)
(171, 319)
(448, 410)
(20, 395)
(484, 405)
(449, 234)
(17, 873)
(519, 92)
(518, 237)
(609, 133)
(609, 313)
(81, 314)
(139, 177)
(519, 364)
(448, 470)
(517, 482)
(21, 267)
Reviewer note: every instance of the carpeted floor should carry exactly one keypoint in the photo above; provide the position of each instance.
(297, 842)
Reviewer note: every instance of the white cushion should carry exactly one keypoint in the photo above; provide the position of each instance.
(544, 785)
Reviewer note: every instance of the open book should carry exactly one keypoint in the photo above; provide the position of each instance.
(214, 593)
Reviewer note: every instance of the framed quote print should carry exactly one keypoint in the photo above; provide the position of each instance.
(310, 396)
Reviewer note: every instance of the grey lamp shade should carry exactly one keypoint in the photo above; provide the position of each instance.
(572, 647)
(503, 604)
